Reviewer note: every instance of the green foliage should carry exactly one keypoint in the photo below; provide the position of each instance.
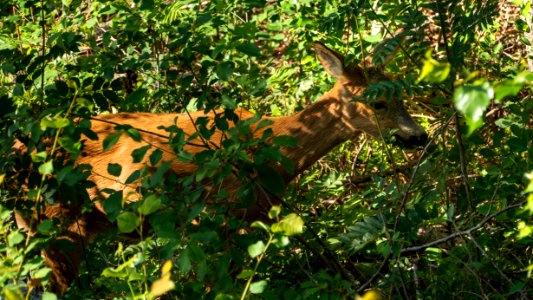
(440, 222)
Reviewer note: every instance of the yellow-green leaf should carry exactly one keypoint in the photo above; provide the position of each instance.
(433, 70)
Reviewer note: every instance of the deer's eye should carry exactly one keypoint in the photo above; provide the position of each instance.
(378, 106)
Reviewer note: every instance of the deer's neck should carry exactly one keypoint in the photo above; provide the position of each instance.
(318, 128)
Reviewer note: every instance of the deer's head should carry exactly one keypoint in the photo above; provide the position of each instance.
(360, 114)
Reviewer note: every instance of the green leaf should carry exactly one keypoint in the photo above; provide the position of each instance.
(271, 180)
(127, 222)
(225, 70)
(472, 100)
(134, 134)
(47, 168)
(256, 249)
(114, 169)
(274, 212)
(147, 4)
(433, 71)
(12, 292)
(149, 205)
(285, 141)
(291, 224)
(155, 157)
(135, 98)
(258, 287)
(48, 296)
(54, 122)
(139, 153)
(261, 225)
(45, 226)
(113, 205)
(133, 176)
(184, 261)
(39, 156)
(14, 238)
(111, 140)
(505, 89)
(249, 48)
(245, 274)
(41, 273)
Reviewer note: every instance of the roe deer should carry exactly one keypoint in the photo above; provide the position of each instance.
(337, 116)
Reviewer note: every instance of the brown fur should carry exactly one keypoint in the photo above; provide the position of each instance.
(332, 119)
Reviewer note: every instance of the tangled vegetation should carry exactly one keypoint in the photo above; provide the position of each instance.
(449, 220)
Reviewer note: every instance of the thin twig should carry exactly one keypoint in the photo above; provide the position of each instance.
(467, 232)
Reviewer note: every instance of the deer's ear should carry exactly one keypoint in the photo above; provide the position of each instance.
(330, 60)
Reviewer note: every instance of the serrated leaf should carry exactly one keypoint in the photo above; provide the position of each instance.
(127, 222)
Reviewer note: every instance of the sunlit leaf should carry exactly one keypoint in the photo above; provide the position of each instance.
(274, 212)
(256, 249)
(54, 122)
(291, 224)
(47, 168)
(14, 238)
(433, 71)
(472, 100)
(258, 287)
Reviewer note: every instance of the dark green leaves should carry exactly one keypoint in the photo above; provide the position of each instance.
(114, 169)
(225, 70)
(111, 140)
(248, 48)
(271, 180)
